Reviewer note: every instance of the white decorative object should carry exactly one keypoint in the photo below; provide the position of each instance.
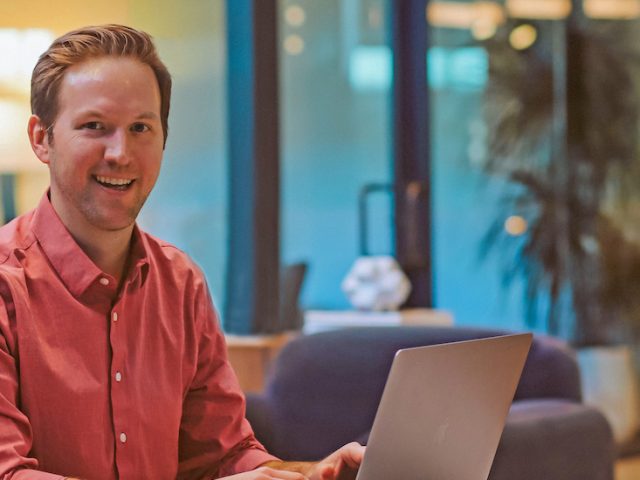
(376, 283)
(609, 382)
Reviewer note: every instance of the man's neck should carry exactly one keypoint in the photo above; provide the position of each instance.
(108, 249)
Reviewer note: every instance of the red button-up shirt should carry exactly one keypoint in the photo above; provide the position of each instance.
(136, 388)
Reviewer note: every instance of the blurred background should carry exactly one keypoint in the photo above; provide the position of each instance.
(526, 209)
(507, 82)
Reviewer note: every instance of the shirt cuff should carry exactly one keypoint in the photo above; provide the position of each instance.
(246, 461)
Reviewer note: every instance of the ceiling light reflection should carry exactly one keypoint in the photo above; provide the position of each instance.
(294, 44)
(295, 15)
(523, 36)
(515, 226)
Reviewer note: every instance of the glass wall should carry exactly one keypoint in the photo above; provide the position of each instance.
(335, 78)
(188, 205)
(466, 200)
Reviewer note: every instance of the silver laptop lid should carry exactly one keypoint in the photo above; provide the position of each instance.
(443, 410)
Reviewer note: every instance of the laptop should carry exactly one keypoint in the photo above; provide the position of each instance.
(443, 410)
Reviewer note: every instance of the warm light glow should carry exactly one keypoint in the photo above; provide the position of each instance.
(375, 17)
(539, 9)
(483, 29)
(612, 9)
(294, 44)
(523, 36)
(464, 15)
(19, 51)
(15, 151)
(295, 15)
(515, 225)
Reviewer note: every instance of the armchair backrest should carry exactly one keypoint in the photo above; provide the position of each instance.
(328, 385)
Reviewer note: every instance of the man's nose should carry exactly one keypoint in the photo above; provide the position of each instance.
(117, 147)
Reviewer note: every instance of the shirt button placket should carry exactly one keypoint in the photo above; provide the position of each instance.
(117, 391)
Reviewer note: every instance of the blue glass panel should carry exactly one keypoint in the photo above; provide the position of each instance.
(335, 138)
(188, 205)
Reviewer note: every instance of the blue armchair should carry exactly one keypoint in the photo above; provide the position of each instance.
(324, 389)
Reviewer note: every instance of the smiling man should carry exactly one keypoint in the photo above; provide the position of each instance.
(112, 362)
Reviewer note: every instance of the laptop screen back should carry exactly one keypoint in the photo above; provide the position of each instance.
(443, 410)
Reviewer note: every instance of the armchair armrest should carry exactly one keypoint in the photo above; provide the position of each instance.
(551, 371)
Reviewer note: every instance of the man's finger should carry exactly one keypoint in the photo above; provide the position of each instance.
(352, 454)
(327, 472)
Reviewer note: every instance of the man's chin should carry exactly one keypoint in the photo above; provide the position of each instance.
(113, 224)
(112, 217)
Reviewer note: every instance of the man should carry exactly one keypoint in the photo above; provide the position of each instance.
(112, 363)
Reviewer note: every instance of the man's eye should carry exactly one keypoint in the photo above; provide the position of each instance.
(93, 126)
(139, 128)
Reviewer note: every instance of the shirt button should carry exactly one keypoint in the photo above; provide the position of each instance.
(104, 281)
(123, 438)
(115, 316)
(118, 377)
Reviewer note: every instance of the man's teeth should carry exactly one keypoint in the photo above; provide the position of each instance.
(113, 181)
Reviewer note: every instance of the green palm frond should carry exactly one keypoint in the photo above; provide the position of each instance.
(572, 251)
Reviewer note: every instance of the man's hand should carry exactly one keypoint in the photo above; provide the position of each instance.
(340, 465)
(267, 473)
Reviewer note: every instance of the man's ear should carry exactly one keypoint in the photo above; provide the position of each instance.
(39, 138)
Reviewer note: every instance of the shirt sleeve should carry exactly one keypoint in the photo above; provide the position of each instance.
(15, 430)
(215, 438)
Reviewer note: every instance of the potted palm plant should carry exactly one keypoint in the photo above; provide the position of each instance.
(562, 116)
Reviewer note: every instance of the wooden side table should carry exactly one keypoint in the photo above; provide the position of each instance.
(251, 356)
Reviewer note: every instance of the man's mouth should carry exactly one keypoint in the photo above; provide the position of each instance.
(114, 183)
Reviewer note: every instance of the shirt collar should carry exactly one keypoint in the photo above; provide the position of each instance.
(73, 265)
(139, 259)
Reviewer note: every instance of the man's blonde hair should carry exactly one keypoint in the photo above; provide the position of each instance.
(92, 42)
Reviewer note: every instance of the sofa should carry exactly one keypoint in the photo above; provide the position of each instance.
(323, 391)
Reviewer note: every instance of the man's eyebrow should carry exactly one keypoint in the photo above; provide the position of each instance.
(143, 116)
(149, 116)
(91, 113)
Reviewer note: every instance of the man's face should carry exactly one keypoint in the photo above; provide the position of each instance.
(107, 143)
